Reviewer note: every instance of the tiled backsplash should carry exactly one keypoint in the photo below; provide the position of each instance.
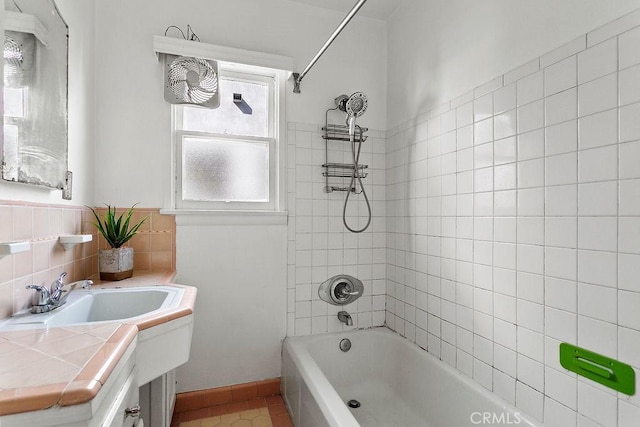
(514, 224)
(43, 224)
(319, 245)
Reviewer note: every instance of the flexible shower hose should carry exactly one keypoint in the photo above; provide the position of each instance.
(356, 175)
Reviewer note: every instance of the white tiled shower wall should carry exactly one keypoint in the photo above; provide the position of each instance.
(319, 245)
(513, 224)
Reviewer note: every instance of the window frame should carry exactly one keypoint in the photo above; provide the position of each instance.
(276, 142)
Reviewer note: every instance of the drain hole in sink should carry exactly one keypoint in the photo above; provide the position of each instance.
(353, 403)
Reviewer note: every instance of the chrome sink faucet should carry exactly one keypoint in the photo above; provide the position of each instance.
(45, 300)
(345, 318)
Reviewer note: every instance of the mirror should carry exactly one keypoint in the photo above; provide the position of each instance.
(34, 143)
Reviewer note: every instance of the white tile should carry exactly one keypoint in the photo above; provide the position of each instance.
(628, 414)
(483, 179)
(628, 48)
(628, 315)
(531, 230)
(531, 202)
(483, 349)
(599, 129)
(598, 61)
(561, 232)
(561, 107)
(551, 359)
(529, 400)
(505, 177)
(530, 88)
(504, 309)
(629, 272)
(630, 197)
(560, 76)
(483, 131)
(504, 151)
(482, 204)
(530, 259)
(522, 71)
(483, 301)
(598, 95)
(561, 138)
(599, 302)
(597, 336)
(487, 87)
(629, 123)
(571, 48)
(530, 315)
(504, 124)
(531, 373)
(504, 281)
(505, 230)
(560, 262)
(629, 346)
(629, 85)
(630, 235)
(530, 117)
(562, 387)
(561, 294)
(505, 360)
(598, 198)
(464, 114)
(560, 324)
(597, 405)
(598, 164)
(531, 173)
(504, 99)
(531, 145)
(483, 155)
(483, 107)
(530, 344)
(598, 233)
(504, 386)
(504, 255)
(614, 28)
(530, 286)
(465, 160)
(561, 200)
(483, 374)
(562, 169)
(597, 267)
(504, 203)
(557, 415)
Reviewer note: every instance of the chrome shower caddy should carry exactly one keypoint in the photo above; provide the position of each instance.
(333, 132)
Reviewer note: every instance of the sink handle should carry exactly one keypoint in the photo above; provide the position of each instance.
(42, 295)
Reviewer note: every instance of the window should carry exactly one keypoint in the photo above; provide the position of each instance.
(228, 158)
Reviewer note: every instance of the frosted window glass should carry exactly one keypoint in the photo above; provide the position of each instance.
(248, 118)
(215, 170)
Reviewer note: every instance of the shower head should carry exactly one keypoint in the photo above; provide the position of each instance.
(354, 105)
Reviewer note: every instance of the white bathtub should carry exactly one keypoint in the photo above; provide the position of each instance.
(397, 383)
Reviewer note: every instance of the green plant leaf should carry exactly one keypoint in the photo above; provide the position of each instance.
(116, 230)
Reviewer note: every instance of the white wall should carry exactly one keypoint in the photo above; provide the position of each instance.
(439, 50)
(513, 223)
(240, 270)
(132, 119)
(79, 17)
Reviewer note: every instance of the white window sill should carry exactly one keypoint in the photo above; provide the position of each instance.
(209, 217)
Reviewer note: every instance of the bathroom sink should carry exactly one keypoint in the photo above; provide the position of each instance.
(101, 305)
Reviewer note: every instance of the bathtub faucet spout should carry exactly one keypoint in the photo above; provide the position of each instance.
(345, 318)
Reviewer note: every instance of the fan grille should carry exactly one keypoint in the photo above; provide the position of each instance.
(192, 80)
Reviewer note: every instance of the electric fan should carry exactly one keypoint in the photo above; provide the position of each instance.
(191, 81)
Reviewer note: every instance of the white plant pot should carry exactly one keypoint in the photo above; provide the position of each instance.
(116, 263)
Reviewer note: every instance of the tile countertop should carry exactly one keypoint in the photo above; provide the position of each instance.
(78, 359)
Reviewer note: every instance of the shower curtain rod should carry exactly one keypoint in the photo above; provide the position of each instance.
(297, 77)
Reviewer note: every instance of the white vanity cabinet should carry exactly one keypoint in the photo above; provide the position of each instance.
(107, 408)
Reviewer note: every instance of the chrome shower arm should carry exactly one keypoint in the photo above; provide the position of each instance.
(299, 76)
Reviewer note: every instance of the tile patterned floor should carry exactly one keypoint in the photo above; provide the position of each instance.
(260, 412)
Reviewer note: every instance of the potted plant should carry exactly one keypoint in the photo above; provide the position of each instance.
(116, 263)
